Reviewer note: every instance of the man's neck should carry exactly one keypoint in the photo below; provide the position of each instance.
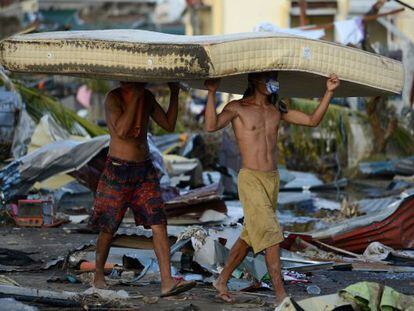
(260, 99)
(127, 93)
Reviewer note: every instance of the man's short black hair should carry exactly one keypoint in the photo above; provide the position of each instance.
(258, 75)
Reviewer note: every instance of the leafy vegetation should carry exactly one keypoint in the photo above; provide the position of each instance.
(39, 104)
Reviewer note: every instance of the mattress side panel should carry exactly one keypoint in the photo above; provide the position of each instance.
(107, 58)
(297, 54)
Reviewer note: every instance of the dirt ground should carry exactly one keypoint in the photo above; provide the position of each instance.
(47, 244)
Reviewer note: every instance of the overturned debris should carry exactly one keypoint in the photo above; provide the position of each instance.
(389, 168)
(20, 175)
(196, 201)
(392, 226)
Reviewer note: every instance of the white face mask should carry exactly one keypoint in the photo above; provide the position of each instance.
(272, 86)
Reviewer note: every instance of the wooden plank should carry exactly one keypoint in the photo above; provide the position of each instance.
(336, 249)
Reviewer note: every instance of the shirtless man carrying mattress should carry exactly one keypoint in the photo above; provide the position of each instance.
(255, 120)
(129, 179)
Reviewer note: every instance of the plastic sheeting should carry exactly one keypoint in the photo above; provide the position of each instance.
(8, 120)
(8, 111)
(16, 126)
(23, 133)
(55, 158)
(158, 161)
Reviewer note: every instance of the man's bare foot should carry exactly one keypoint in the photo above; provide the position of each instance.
(223, 292)
(99, 282)
(167, 284)
(281, 298)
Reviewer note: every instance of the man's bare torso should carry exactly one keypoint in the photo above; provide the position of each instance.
(130, 148)
(256, 129)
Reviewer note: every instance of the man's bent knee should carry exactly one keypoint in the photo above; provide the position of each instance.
(243, 243)
(105, 235)
(158, 228)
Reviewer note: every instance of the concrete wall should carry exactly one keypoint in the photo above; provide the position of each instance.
(232, 16)
(243, 15)
(405, 21)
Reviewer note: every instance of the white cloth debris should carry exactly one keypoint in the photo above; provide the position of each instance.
(269, 27)
(205, 254)
(106, 294)
(197, 234)
(377, 251)
(212, 216)
(350, 31)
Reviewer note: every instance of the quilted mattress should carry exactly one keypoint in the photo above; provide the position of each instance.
(155, 57)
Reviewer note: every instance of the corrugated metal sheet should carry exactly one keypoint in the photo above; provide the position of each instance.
(396, 231)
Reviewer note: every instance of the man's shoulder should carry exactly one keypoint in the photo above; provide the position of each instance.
(233, 105)
(113, 93)
(148, 94)
(112, 97)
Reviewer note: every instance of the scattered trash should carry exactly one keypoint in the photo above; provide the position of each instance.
(35, 213)
(106, 294)
(313, 290)
(150, 299)
(87, 266)
(63, 279)
(374, 296)
(294, 277)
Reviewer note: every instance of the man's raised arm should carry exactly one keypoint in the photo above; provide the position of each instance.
(214, 122)
(121, 120)
(300, 118)
(166, 120)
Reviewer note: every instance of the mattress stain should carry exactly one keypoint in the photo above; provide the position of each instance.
(115, 71)
(189, 58)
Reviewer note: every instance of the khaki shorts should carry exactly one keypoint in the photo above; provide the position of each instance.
(258, 193)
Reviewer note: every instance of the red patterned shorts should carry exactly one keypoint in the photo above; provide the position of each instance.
(126, 184)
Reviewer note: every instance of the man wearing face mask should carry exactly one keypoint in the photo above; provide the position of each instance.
(255, 119)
